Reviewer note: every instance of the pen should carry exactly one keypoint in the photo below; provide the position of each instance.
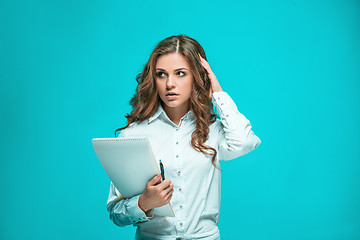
(162, 170)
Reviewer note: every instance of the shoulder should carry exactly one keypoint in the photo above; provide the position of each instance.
(125, 132)
(132, 128)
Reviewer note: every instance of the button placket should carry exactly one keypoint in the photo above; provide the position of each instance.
(177, 156)
(180, 183)
(177, 140)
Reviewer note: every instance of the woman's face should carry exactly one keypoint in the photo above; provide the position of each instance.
(174, 80)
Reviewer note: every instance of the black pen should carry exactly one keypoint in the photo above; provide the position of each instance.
(162, 170)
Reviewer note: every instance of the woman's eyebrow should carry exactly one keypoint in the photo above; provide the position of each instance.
(174, 70)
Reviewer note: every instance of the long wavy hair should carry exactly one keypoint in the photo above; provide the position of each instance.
(146, 100)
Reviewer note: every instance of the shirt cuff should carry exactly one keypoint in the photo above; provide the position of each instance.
(223, 103)
(135, 212)
(226, 108)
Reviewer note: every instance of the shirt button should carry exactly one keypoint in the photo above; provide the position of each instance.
(179, 189)
(222, 104)
(181, 206)
(179, 172)
(181, 224)
(227, 115)
(218, 98)
(177, 156)
(177, 129)
(177, 142)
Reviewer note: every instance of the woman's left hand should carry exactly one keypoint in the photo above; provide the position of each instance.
(215, 85)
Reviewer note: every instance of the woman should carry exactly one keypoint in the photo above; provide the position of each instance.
(173, 107)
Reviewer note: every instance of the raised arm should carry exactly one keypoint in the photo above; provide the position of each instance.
(235, 137)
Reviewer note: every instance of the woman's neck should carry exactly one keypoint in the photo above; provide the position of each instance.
(176, 113)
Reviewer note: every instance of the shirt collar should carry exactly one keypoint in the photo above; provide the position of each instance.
(161, 112)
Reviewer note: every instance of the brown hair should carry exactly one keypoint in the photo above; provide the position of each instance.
(146, 100)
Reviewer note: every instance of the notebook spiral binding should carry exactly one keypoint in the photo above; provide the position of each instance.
(118, 139)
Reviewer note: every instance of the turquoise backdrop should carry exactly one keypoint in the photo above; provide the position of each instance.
(67, 71)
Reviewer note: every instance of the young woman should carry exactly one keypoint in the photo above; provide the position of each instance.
(173, 107)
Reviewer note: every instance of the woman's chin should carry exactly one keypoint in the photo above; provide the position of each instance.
(171, 104)
(176, 103)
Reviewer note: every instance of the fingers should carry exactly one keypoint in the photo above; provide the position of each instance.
(205, 65)
(169, 188)
(164, 184)
(168, 195)
(154, 180)
(201, 58)
(203, 61)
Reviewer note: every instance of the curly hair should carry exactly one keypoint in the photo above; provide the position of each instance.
(146, 100)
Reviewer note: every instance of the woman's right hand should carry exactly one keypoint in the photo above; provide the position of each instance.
(156, 194)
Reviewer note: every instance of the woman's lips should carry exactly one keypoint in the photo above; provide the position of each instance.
(172, 96)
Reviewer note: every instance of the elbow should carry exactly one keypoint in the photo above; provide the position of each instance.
(239, 148)
(119, 221)
(256, 141)
(251, 143)
(117, 218)
(247, 145)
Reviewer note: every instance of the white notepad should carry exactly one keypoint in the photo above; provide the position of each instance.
(130, 164)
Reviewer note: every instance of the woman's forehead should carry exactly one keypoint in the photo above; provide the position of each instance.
(172, 61)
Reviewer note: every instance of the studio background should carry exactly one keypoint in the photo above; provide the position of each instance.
(67, 71)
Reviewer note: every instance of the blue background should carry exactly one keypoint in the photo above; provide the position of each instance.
(67, 71)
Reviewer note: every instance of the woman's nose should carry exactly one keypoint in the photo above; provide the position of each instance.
(170, 82)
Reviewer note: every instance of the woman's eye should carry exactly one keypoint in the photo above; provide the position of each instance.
(183, 74)
(159, 74)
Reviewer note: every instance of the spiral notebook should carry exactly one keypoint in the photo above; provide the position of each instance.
(130, 164)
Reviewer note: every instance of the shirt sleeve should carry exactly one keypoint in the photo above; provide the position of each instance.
(235, 136)
(125, 211)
